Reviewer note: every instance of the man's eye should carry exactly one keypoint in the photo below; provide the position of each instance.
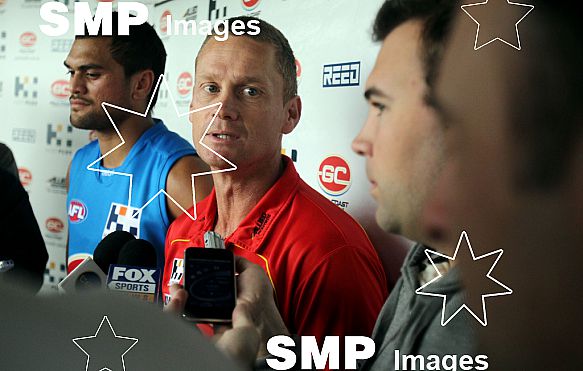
(92, 75)
(70, 72)
(379, 107)
(211, 89)
(252, 92)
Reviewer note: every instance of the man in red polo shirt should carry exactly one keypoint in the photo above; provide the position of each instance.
(309, 248)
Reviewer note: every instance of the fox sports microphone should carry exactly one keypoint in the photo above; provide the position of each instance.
(107, 250)
(136, 272)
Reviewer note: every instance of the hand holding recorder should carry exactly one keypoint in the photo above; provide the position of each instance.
(255, 317)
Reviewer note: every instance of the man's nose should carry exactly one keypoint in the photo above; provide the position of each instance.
(362, 144)
(77, 84)
(230, 108)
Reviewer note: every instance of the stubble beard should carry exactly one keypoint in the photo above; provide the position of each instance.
(98, 120)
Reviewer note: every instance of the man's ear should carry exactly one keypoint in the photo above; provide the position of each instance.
(293, 112)
(142, 83)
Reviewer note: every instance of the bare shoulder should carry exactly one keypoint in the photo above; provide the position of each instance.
(179, 183)
(187, 165)
(68, 176)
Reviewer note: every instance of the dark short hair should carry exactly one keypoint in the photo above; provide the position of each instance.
(141, 50)
(436, 16)
(286, 61)
(546, 111)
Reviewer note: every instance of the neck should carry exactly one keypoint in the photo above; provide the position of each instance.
(239, 191)
(441, 243)
(444, 247)
(130, 129)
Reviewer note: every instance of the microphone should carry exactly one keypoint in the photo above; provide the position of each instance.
(107, 250)
(86, 277)
(136, 272)
(89, 275)
(138, 252)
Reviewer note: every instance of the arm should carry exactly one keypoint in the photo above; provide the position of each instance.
(68, 176)
(256, 304)
(67, 244)
(179, 184)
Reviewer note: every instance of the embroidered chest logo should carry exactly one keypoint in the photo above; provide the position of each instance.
(261, 223)
(121, 218)
(77, 211)
(177, 271)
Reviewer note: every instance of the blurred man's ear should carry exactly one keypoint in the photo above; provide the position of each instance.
(142, 84)
(293, 111)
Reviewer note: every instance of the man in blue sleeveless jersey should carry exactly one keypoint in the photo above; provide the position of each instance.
(123, 71)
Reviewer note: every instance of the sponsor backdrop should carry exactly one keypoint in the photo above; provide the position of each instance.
(332, 44)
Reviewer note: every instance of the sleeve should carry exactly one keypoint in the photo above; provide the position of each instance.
(341, 296)
(7, 161)
(24, 244)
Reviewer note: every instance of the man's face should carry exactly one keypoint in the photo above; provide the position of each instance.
(538, 229)
(477, 184)
(401, 138)
(241, 73)
(95, 77)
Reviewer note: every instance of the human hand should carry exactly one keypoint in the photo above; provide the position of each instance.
(256, 305)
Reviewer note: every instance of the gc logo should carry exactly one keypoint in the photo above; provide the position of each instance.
(334, 175)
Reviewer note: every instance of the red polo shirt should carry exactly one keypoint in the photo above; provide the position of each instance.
(327, 277)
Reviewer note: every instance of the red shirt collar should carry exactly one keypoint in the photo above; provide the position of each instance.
(257, 224)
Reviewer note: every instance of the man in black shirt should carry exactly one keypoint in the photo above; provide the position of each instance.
(21, 243)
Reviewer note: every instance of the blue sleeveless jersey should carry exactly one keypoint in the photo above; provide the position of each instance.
(98, 202)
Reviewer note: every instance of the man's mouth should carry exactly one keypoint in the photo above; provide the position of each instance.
(223, 136)
(78, 102)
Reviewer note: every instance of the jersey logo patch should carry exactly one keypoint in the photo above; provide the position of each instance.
(177, 271)
(121, 219)
(77, 211)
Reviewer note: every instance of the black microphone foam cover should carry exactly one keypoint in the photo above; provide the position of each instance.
(107, 250)
(139, 253)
